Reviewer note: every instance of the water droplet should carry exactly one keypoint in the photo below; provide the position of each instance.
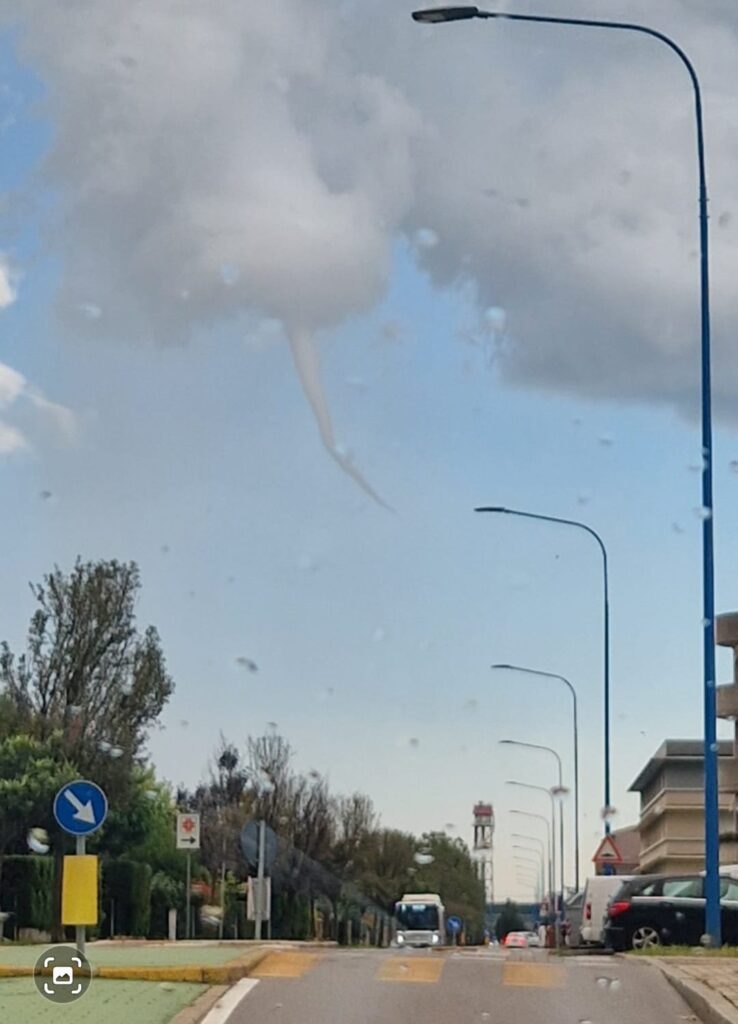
(184, 724)
(379, 635)
(426, 238)
(126, 689)
(116, 752)
(706, 623)
(450, 826)
(414, 742)
(74, 710)
(714, 747)
(584, 497)
(607, 813)
(247, 663)
(151, 794)
(229, 274)
(615, 985)
(104, 747)
(577, 421)
(725, 218)
(357, 383)
(603, 982)
(696, 467)
(165, 549)
(486, 1015)
(424, 858)
(734, 465)
(38, 840)
(606, 440)
(306, 563)
(471, 705)
(45, 495)
(495, 319)
(167, 986)
(677, 528)
(703, 512)
(90, 310)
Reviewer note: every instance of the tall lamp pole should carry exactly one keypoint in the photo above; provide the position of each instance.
(712, 822)
(550, 793)
(573, 692)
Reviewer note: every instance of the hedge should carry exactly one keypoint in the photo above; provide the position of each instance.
(26, 890)
(127, 885)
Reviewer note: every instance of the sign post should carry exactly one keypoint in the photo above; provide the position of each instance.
(80, 808)
(188, 838)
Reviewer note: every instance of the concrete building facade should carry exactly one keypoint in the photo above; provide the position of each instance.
(672, 819)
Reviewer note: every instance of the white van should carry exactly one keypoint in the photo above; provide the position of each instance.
(598, 892)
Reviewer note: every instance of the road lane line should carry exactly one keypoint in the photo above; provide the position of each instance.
(229, 1002)
(285, 965)
(519, 974)
(423, 970)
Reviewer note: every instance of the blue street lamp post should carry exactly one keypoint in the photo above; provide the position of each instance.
(712, 831)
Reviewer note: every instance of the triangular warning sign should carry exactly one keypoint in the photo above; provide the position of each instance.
(608, 852)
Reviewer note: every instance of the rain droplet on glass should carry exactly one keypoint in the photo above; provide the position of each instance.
(677, 528)
(426, 238)
(116, 752)
(379, 635)
(725, 218)
(734, 465)
(414, 742)
(104, 747)
(584, 497)
(703, 512)
(229, 274)
(90, 310)
(247, 663)
(606, 440)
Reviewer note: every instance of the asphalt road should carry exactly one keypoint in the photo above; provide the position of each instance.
(456, 987)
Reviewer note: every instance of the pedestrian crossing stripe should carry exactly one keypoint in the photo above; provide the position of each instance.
(285, 965)
(422, 970)
(518, 974)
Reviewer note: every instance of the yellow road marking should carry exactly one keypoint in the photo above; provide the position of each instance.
(530, 975)
(420, 969)
(284, 965)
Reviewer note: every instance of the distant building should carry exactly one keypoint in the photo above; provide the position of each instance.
(672, 818)
(483, 847)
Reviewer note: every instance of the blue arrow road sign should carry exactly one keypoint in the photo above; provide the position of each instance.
(454, 925)
(80, 807)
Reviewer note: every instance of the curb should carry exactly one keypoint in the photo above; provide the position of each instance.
(705, 1002)
(198, 1011)
(222, 974)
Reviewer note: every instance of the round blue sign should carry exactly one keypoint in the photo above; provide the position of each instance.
(80, 807)
(454, 925)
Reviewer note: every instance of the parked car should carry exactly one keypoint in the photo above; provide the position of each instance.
(598, 892)
(521, 940)
(665, 910)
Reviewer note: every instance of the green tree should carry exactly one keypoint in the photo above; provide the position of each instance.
(31, 772)
(89, 676)
(452, 873)
(510, 920)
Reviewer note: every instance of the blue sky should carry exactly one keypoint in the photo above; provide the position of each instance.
(201, 460)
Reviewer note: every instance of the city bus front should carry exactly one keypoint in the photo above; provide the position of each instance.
(419, 923)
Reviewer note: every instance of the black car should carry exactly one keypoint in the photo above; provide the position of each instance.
(655, 910)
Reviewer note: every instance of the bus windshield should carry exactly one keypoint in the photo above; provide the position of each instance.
(417, 916)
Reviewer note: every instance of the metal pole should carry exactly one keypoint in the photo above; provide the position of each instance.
(80, 930)
(712, 809)
(188, 914)
(575, 710)
(222, 899)
(259, 901)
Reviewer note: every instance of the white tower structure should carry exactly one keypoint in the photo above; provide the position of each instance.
(483, 851)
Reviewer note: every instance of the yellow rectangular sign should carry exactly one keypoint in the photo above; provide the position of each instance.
(79, 890)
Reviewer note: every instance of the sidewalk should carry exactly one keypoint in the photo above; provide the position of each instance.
(114, 1002)
(709, 985)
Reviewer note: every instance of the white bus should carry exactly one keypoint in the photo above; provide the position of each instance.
(419, 920)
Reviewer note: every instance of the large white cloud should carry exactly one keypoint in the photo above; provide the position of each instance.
(214, 160)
